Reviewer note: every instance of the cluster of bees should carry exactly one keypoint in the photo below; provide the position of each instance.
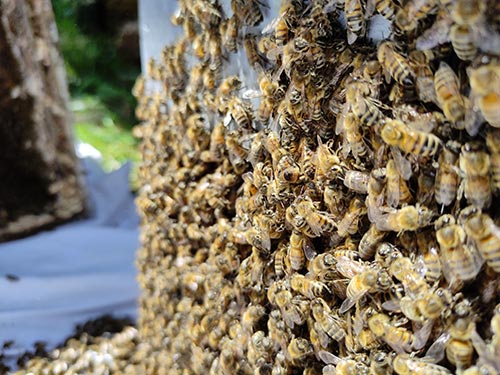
(120, 355)
(326, 208)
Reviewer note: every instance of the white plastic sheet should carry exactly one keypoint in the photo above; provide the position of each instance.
(73, 273)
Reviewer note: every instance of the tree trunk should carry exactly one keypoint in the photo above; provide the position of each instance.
(40, 181)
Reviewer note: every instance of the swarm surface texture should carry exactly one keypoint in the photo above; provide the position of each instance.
(316, 203)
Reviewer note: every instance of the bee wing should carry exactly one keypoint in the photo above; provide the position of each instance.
(328, 358)
(486, 38)
(398, 347)
(294, 314)
(473, 119)
(247, 177)
(324, 339)
(358, 325)
(438, 33)
(392, 305)
(348, 303)
(286, 316)
(251, 94)
(335, 322)
(447, 273)
(271, 26)
(420, 266)
(273, 54)
(314, 224)
(479, 344)
(351, 301)
(349, 268)
(351, 37)
(436, 350)
(381, 219)
(330, 6)
(422, 335)
(370, 8)
(309, 250)
(402, 164)
(393, 193)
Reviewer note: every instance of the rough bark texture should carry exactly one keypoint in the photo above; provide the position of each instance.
(40, 183)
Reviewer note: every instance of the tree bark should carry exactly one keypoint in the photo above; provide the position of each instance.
(40, 182)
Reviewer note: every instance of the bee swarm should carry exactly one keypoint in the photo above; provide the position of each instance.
(334, 215)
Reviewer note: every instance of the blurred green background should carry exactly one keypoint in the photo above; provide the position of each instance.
(99, 43)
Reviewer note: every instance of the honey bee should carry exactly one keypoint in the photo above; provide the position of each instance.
(299, 249)
(397, 190)
(210, 80)
(369, 242)
(362, 105)
(463, 41)
(380, 363)
(448, 94)
(461, 261)
(459, 349)
(298, 350)
(484, 79)
(428, 256)
(284, 23)
(282, 264)
(328, 164)
(228, 86)
(307, 287)
(424, 76)
(485, 234)
(386, 8)
(403, 270)
(407, 218)
(287, 170)
(404, 364)
(344, 366)
(493, 143)
(357, 181)
(267, 46)
(350, 222)
(308, 219)
(278, 331)
(398, 338)
(447, 178)
(323, 267)
(355, 20)
(347, 250)
(241, 112)
(375, 190)
(252, 54)
(259, 348)
(394, 64)
(229, 33)
(248, 12)
(474, 164)
(360, 284)
(327, 323)
(407, 17)
(396, 133)
(484, 83)
(353, 139)
(252, 316)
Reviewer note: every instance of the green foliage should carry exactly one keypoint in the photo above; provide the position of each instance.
(96, 126)
(100, 86)
(92, 63)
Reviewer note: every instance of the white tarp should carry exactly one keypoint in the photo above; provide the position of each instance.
(75, 272)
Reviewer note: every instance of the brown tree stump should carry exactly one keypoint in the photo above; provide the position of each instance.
(40, 182)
